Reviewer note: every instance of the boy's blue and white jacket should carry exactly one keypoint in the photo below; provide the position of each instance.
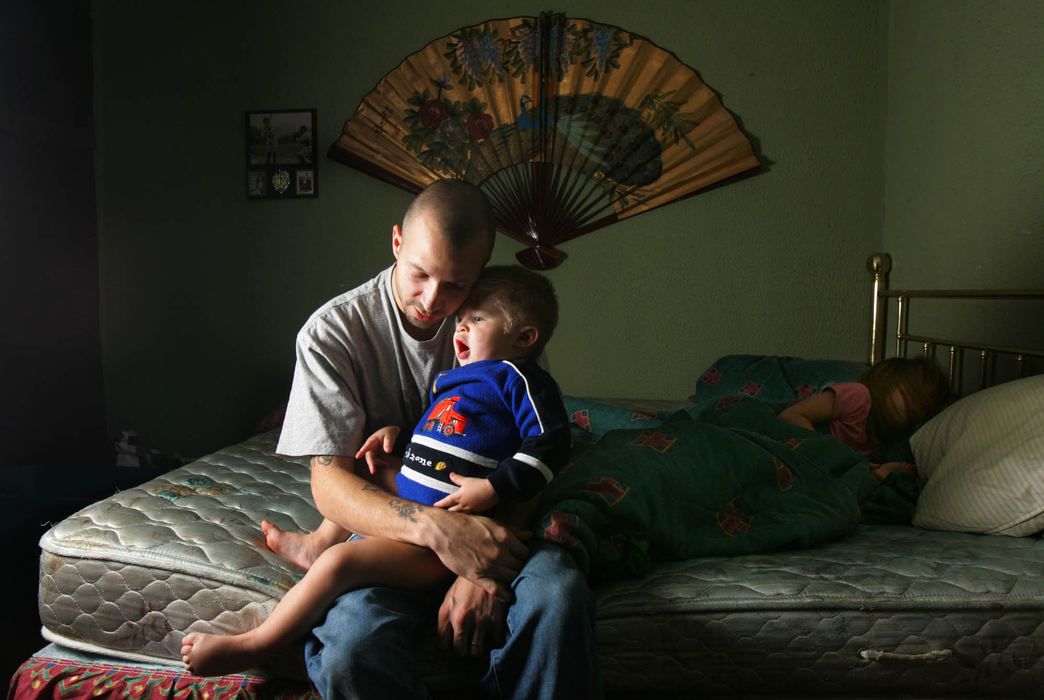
(502, 420)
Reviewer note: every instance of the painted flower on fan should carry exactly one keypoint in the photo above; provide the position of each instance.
(601, 44)
(475, 56)
(604, 47)
(480, 125)
(565, 38)
(452, 133)
(433, 113)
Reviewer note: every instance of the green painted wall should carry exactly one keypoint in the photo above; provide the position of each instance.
(964, 152)
(202, 291)
(964, 161)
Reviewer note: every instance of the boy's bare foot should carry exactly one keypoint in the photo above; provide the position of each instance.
(300, 548)
(216, 655)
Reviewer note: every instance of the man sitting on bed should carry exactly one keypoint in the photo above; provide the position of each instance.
(365, 360)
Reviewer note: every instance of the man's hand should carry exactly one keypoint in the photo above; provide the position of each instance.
(474, 495)
(471, 622)
(478, 548)
(473, 546)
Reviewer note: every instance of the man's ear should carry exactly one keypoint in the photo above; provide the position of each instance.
(396, 240)
(526, 337)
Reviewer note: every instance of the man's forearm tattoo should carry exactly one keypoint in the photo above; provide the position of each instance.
(321, 460)
(405, 509)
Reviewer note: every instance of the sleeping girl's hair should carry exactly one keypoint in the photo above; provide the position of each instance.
(903, 394)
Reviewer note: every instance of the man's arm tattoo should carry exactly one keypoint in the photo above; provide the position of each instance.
(405, 509)
(321, 461)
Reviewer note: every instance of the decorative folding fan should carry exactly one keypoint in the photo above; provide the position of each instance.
(566, 124)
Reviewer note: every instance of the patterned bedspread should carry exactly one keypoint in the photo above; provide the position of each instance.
(723, 477)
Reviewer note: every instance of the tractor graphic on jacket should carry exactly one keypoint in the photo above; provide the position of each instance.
(444, 419)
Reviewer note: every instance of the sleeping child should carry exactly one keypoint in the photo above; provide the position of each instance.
(884, 405)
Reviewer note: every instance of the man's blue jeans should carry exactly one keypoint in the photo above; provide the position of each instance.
(366, 646)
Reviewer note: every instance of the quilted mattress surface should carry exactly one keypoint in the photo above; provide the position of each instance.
(131, 574)
(887, 609)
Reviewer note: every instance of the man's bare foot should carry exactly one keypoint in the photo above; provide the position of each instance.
(216, 655)
(298, 547)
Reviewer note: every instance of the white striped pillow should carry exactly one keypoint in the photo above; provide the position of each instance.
(981, 462)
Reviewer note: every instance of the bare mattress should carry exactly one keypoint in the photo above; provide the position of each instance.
(888, 608)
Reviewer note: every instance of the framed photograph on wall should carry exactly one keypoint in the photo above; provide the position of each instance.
(281, 154)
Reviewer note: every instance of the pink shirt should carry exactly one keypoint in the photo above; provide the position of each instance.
(851, 412)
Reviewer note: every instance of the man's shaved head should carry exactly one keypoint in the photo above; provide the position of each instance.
(454, 208)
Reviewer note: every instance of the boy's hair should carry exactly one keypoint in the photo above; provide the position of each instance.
(924, 387)
(523, 296)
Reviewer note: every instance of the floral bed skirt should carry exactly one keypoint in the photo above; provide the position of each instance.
(45, 677)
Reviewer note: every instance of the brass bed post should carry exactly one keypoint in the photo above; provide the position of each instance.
(900, 325)
(984, 356)
(879, 264)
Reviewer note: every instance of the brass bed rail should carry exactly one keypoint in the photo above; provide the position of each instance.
(880, 264)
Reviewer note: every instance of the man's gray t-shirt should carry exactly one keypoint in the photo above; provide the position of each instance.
(358, 370)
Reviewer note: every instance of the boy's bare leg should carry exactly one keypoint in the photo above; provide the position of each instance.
(341, 568)
(303, 548)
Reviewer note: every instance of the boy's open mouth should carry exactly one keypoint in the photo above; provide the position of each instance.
(462, 348)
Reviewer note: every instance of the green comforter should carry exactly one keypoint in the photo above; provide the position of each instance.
(725, 477)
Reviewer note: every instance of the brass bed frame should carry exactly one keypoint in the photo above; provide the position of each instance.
(1026, 361)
